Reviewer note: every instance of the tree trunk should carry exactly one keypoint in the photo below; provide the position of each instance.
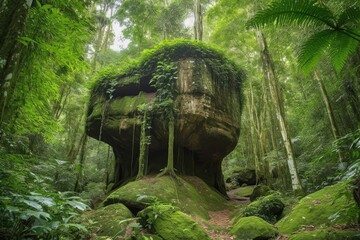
(143, 143)
(79, 179)
(13, 15)
(270, 76)
(330, 112)
(198, 23)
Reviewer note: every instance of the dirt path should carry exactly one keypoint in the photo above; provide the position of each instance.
(218, 226)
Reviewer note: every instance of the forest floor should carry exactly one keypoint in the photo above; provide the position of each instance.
(218, 226)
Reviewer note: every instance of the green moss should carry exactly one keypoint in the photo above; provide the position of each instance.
(253, 228)
(191, 195)
(110, 221)
(260, 191)
(127, 104)
(329, 206)
(172, 224)
(245, 191)
(326, 234)
(225, 70)
(268, 208)
(148, 237)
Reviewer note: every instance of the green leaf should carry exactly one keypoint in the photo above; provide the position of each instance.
(341, 49)
(299, 12)
(74, 226)
(43, 200)
(78, 205)
(32, 204)
(349, 15)
(313, 49)
(36, 214)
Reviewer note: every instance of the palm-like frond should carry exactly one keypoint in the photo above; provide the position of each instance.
(314, 48)
(299, 12)
(341, 47)
(350, 15)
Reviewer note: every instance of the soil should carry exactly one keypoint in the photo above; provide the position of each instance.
(218, 226)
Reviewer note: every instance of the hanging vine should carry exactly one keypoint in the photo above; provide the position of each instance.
(164, 80)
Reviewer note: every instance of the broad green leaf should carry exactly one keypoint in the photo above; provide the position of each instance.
(36, 214)
(32, 204)
(75, 226)
(43, 200)
(78, 205)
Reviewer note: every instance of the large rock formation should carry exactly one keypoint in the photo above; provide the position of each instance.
(207, 120)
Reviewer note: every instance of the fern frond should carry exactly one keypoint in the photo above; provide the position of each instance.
(313, 49)
(341, 47)
(350, 15)
(299, 12)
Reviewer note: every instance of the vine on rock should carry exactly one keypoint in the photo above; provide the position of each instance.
(164, 80)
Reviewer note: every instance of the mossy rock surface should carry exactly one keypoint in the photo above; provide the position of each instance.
(326, 234)
(248, 228)
(245, 191)
(148, 237)
(190, 194)
(328, 206)
(110, 221)
(171, 224)
(268, 208)
(260, 191)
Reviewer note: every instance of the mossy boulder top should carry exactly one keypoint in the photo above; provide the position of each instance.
(207, 103)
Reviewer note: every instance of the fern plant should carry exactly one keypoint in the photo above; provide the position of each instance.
(338, 35)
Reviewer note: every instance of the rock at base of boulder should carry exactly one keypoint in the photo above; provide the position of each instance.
(171, 224)
(110, 221)
(253, 228)
(190, 194)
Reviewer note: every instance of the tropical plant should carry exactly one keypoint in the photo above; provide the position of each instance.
(337, 34)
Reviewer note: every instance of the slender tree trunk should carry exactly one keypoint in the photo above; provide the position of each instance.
(13, 14)
(330, 112)
(143, 143)
(79, 179)
(198, 22)
(170, 162)
(170, 159)
(270, 76)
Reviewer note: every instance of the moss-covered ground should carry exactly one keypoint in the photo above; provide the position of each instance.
(327, 207)
(190, 194)
(110, 221)
(178, 208)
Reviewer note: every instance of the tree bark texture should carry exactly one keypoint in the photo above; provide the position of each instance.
(334, 127)
(271, 78)
(13, 14)
(198, 23)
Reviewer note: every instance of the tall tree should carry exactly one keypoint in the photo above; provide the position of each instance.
(276, 96)
(13, 15)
